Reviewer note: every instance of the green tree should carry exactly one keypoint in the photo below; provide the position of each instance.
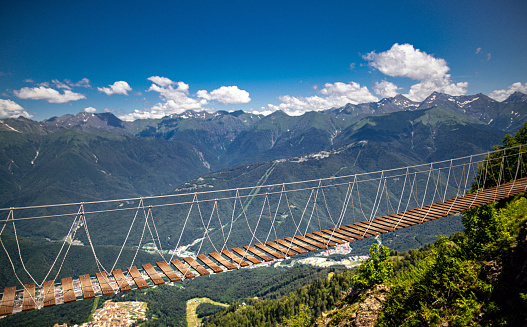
(376, 269)
(301, 319)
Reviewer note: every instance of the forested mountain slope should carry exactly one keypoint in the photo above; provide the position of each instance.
(478, 277)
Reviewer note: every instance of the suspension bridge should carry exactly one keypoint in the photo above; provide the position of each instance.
(261, 223)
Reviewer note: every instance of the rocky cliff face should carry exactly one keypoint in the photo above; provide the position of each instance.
(357, 309)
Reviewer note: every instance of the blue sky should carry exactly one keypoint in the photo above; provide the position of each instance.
(146, 60)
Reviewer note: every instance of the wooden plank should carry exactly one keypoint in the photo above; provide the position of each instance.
(280, 248)
(270, 251)
(368, 226)
(373, 224)
(466, 203)
(334, 233)
(121, 280)
(8, 301)
(419, 213)
(182, 268)
(415, 216)
(87, 288)
(48, 293)
(398, 221)
(310, 242)
(28, 302)
(328, 238)
(138, 278)
(348, 234)
(456, 208)
(301, 244)
(386, 224)
(259, 253)
(104, 282)
(217, 269)
(322, 240)
(394, 222)
(435, 210)
(222, 261)
(234, 258)
(407, 218)
(361, 231)
(152, 273)
(171, 274)
(67, 290)
(430, 213)
(289, 245)
(245, 255)
(196, 266)
(479, 198)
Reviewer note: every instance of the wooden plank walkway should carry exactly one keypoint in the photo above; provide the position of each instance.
(8, 301)
(67, 290)
(104, 282)
(252, 254)
(28, 302)
(87, 288)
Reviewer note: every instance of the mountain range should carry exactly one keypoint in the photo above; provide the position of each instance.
(93, 156)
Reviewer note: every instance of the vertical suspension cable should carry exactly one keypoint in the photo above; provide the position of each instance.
(468, 174)
(402, 192)
(426, 187)
(140, 241)
(345, 206)
(517, 170)
(275, 215)
(184, 225)
(377, 195)
(502, 165)
(127, 234)
(157, 234)
(297, 226)
(232, 223)
(85, 224)
(314, 205)
(447, 180)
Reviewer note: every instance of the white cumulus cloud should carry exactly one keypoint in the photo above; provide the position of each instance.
(332, 96)
(385, 89)
(502, 95)
(48, 94)
(83, 83)
(119, 87)
(11, 109)
(90, 110)
(226, 95)
(403, 60)
(176, 99)
(61, 85)
(161, 81)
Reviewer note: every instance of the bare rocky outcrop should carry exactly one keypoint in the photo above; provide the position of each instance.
(361, 313)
